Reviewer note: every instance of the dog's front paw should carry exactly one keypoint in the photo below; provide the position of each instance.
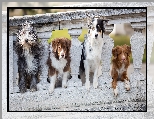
(64, 84)
(115, 91)
(33, 88)
(87, 85)
(22, 86)
(51, 89)
(95, 84)
(127, 85)
(23, 89)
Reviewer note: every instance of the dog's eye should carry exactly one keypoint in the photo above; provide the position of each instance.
(59, 47)
(125, 52)
(93, 28)
(23, 32)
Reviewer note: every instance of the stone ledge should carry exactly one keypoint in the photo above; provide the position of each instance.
(73, 15)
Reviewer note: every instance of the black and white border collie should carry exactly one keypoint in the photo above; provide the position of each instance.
(28, 49)
(91, 52)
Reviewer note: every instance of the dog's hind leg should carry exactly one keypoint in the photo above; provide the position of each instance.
(87, 83)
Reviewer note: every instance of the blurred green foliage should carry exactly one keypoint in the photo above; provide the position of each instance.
(59, 34)
(118, 39)
(64, 33)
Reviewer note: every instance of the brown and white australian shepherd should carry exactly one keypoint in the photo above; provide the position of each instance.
(59, 62)
(120, 65)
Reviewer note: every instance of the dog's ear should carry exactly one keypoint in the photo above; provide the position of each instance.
(54, 45)
(128, 50)
(115, 51)
(68, 44)
(104, 23)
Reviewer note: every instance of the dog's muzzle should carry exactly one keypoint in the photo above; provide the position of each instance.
(96, 35)
(26, 40)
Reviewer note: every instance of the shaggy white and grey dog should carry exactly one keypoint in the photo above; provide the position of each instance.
(28, 49)
(91, 52)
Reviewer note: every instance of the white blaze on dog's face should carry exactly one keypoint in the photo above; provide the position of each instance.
(61, 53)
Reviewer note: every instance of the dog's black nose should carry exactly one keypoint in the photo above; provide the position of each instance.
(62, 55)
(26, 40)
(96, 35)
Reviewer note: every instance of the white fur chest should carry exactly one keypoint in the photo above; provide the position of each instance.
(30, 61)
(94, 50)
(121, 70)
(58, 64)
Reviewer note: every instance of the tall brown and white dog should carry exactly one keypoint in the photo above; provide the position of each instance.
(120, 65)
(59, 61)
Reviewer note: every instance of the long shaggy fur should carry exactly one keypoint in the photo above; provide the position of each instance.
(28, 49)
